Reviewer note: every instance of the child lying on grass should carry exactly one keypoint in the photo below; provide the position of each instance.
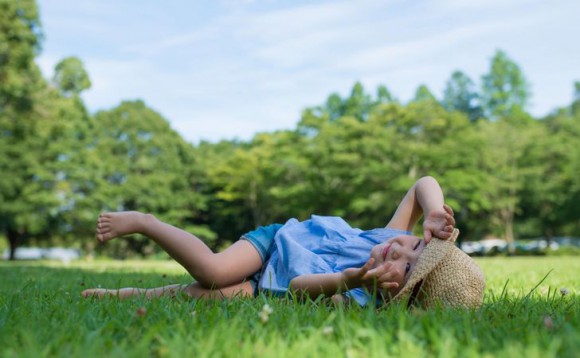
(321, 256)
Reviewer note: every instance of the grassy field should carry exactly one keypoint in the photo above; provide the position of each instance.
(42, 314)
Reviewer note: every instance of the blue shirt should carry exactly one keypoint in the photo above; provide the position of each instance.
(322, 244)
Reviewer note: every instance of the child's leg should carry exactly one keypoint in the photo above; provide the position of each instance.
(244, 289)
(211, 270)
(194, 290)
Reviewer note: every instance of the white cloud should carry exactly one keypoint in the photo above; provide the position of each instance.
(229, 69)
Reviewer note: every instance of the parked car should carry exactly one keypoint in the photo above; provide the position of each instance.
(37, 253)
(493, 246)
(474, 248)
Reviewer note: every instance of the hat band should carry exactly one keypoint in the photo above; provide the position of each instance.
(414, 294)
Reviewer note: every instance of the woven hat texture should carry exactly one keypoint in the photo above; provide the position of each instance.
(447, 276)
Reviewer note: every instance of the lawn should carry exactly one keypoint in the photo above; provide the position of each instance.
(42, 314)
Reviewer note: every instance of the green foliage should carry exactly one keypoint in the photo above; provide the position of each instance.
(460, 95)
(26, 195)
(140, 163)
(505, 90)
(70, 77)
(358, 104)
(20, 38)
(384, 95)
(424, 94)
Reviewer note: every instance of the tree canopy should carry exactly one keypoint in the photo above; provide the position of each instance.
(504, 172)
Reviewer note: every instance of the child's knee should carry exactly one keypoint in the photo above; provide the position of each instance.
(212, 276)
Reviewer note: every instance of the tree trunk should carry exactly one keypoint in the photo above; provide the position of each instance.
(509, 237)
(549, 234)
(13, 240)
(508, 222)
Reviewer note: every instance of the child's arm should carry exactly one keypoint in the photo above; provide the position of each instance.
(424, 198)
(329, 284)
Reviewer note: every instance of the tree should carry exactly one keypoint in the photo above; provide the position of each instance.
(334, 106)
(25, 194)
(20, 42)
(139, 163)
(424, 94)
(504, 88)
(70, 77)
(505, 158)
(459, 95)
(548, 180)
(358, 104)
(497, 175)
(73, 166)
(384, 95)
(552, 184)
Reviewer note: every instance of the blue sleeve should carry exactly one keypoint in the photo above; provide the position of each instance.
(359, 295)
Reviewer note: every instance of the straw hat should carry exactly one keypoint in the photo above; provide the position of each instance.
(444, 275)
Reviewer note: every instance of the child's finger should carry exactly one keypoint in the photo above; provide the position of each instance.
(377, 271)
(387, 277)
(445, 234)
(450, 219)
(364, 271)
(389, 285)
(448, 209)
(427, 235)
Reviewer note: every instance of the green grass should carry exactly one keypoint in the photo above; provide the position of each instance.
(42, 314)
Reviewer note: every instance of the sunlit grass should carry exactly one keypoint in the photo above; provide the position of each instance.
(520, 274)
(42, 314)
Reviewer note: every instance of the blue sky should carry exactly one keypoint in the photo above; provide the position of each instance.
(231, 68)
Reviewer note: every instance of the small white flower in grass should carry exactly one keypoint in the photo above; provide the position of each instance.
(263, 316)
(266, 308)
(193, 313)
(265, 313)
(564, 291)
(328, 330)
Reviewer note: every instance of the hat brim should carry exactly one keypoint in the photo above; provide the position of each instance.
(431, 256)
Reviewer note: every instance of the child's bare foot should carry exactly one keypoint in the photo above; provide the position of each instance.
(99, 293)
(112, 225)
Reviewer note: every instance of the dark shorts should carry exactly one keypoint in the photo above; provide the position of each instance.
(263, 240)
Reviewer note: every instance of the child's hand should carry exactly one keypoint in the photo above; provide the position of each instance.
(439, 223)
(338, 299)
(366, 276)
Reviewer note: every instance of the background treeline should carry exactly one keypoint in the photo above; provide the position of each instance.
(504, 172)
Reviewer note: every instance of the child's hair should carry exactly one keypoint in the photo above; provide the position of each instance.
(444, 275)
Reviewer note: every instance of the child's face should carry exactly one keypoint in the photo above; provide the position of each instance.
(402, 252)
